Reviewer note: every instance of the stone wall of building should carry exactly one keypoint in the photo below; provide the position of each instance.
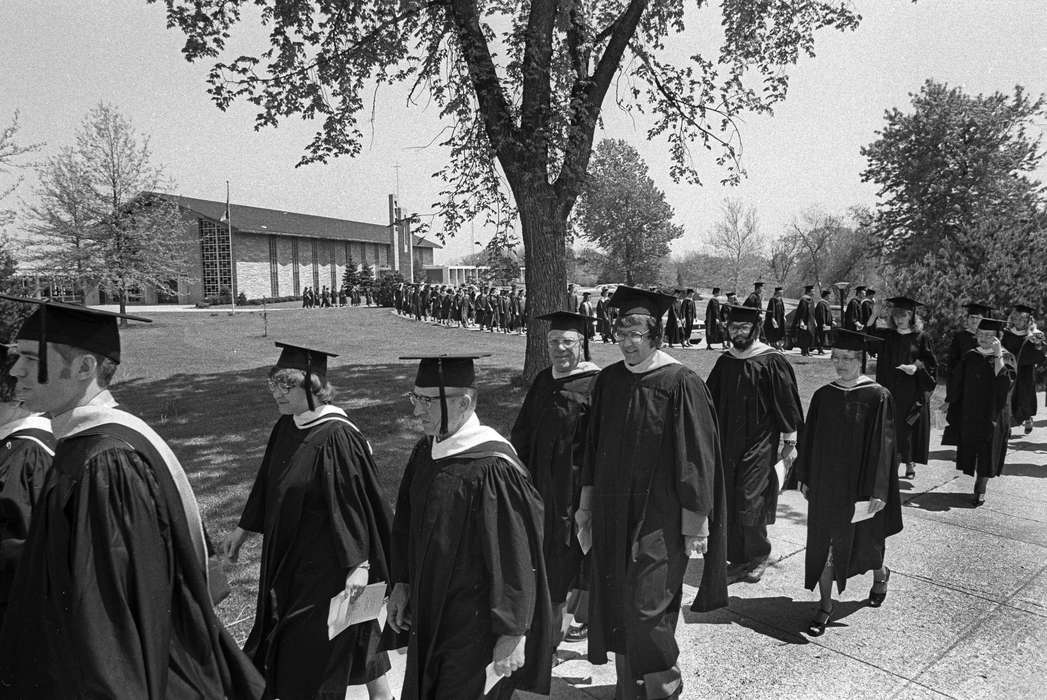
(251, 259)
(285, 267)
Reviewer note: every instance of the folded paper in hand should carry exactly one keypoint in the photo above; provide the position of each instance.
(492, 678)
(861, 512)
(344, 613)
(780, 471)
(585, 539)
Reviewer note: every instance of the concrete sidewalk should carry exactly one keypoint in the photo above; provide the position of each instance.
(965, 617)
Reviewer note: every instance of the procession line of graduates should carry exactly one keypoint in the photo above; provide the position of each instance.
(503, 312)
(610, 482)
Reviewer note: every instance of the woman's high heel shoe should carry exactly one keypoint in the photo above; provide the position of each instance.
(878, 593)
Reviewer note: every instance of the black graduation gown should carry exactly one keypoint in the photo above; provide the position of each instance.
(962, 341)
(912, 413)
(1028, 356)
(110, 599)
(776, 313)
(852, 315)
(688, 312)
(846, 454)
(823, 317)
(549, 436)
(673, 331)
(756, 400)
(467, 538)
(979, 413)
(317, 502)
(754, 300)
(25, 460)
(713, 329)
(652, 450)
(804, 323)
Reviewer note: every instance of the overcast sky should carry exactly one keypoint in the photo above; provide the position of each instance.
(58, 58)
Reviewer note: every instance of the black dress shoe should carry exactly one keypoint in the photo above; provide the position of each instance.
(979, 499)
(816, 628)
(878, 593)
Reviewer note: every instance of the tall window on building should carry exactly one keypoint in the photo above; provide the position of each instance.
(216, 266)
(316, 264)
(274, 269)
(294, 267)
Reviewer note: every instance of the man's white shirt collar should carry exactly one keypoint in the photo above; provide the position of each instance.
(655, 360)
(467, 437)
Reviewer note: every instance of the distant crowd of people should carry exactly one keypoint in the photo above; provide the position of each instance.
(486, 308)
(356, 295)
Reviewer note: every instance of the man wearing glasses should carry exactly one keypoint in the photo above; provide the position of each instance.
(652, 497)
(757, 405)
(468, 572)
(549, 436)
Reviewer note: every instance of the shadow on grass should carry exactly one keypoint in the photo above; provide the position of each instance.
(218, 425)
(1035, 470)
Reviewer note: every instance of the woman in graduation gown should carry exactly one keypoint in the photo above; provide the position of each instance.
(979, 406)
(1023, 340)
(907, 367)
(846, 461)
(325, 528)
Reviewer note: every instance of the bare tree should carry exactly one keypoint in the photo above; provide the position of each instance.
(782, 259)
(12, 160)
(814, 234)
(736, 236)
(92, 221)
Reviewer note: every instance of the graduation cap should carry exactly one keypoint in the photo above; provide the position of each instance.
(757, 284)
(309, 360)
(825, 293)
(1024, 308)
(777, 289)
(742, 314)
(859, 288)
(73, 325)
(852, 340)
(716, 290)
(633, 300)
(567, 321)
(689, 291)
(992, 324)
(905, 303)
(807, 288)
(730, 294)
(445, 370)
(870, 291)
(978, 309)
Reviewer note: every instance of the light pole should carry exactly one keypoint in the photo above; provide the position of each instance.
(841, 289)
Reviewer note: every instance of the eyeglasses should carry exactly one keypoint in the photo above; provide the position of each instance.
(635, 336)
(561, 342)
(278, 387)
(426, 401)
(744, 327)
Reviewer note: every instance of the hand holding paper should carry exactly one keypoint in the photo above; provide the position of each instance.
(344, 613)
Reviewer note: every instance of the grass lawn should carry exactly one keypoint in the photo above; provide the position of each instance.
(199, 379)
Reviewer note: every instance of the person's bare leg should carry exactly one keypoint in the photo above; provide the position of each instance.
(825, 588)
(379, 689)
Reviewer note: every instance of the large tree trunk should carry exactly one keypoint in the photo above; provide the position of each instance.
(123, 305)
(544, 228)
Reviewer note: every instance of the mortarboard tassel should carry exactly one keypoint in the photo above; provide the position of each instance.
(41, 364)
(308, 383)
(443, 398)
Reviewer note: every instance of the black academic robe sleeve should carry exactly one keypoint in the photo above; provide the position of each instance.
(27, 465)
(521, 433)
(696, 445)
(509, 509)
(252, 518)
(360, 517)
(786, 408)
(926, 364)
(122, 636)
(400, 560)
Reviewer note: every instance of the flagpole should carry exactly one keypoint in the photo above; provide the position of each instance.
(232, 266)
